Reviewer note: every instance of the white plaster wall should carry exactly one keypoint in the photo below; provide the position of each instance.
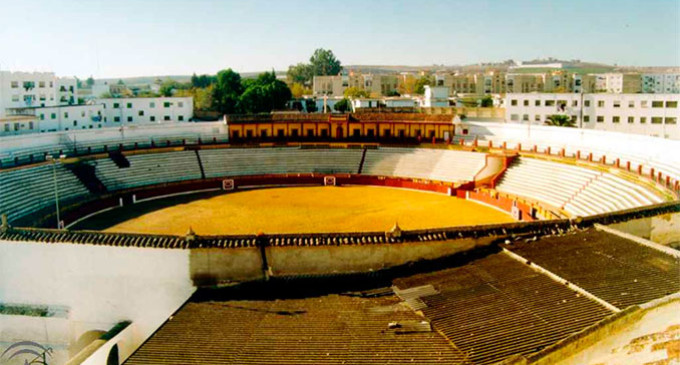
(100, 285)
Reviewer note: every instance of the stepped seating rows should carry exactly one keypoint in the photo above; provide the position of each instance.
(30, 189)
(579, 191)
(495, 307)
(617, 270)
(442, 165)
(545, 181)
(259, 161)
(332, 329)
(148, 169)
(608, 193)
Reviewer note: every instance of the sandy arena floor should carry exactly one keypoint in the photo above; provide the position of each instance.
(305, 209)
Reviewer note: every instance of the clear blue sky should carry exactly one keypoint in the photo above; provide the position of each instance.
(117, 38)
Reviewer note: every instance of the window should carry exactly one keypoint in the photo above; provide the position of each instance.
(166, 104)
(6, 127)
(631, 104)
(643, 104)
(152, 118)
(15, 98)
(53, 116)
(657, 120)
(180, 104)
(180, 118)
(75, 123)
(152, 105)
(525, 117)
(514, 117)
(41, 84)
(526, 102)
(42, 116)
(616, 119)
(586, 103)
(116, 105)
(617, 104)
(574, 103)
(129, 119)
(671, 104)
(166, 117)
(356, 132)
(141, 113)
(586, 118)
(643, 120)
(116, 119)
(129, 105)
(51, 84)
(600, 103)
(513, 102)
(600, 119)
(15, 84)
(65, 115)
(657, 104)
(671, 120)
(537, 103)
(550, 103)
(263, 133)
(537, 118)
(294, 132)
(30, 125)
(631, 120)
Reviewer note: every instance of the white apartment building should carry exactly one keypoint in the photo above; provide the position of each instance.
(102, 113)
(618, 83)
(649, 114)
(20, 90)
(661, 83)
(147, 110)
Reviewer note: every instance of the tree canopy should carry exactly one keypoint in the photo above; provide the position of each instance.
(227, 91)
(419, 87)
(264, 94)
(342, 105)
(560, 120)
(322, 63)
(355, 92)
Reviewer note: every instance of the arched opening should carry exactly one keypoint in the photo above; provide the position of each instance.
(112, 359)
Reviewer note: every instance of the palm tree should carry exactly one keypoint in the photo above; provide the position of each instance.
(560, 120)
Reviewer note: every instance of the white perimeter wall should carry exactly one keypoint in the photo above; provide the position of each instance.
(100, 285)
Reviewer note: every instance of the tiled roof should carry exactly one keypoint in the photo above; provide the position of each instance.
(495, 307)
(333, 329)
(617, 270)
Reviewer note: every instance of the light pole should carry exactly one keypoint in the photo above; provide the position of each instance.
(56, 186)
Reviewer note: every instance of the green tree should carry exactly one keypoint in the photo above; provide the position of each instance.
(298, 90)
(90, 81)
(355, 92)
(324, 63)
(310, 105)
(560, 120)
(342, 106)
(227, 91)
(486, 102)
(202, 81)
(167, 87)
(419, 87)
(301, 73)
(264, 94)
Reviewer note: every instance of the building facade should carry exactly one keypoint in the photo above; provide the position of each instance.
(22, 90)
(661, 83)
(649, 114)
(102, 113)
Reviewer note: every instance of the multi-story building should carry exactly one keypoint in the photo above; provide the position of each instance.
(661, 83)
(374, 84)
(650, 114)
(524, 82)
(618, 83)
(20, 90)
(102, 113)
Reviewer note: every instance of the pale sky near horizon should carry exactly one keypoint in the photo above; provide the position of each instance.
(177, 37)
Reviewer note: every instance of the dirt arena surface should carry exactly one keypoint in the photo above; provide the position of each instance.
(300, 210)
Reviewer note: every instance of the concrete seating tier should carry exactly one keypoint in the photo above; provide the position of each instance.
(148, 169)
(577, 190)
(442, 165)
(259, 161)
(30, 189)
